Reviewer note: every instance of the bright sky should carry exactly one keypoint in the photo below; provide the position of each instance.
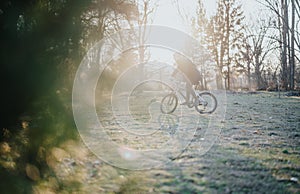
(167, 13)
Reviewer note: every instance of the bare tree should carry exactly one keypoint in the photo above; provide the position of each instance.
(284, 32)
(134, 15)
(144, 18)
(292, 48)
(200, 24)
(288, 37)
(247, 58)
(257, 46)
(296, 5)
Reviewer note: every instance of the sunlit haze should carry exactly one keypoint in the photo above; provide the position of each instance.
(175, 14)
(167, 12)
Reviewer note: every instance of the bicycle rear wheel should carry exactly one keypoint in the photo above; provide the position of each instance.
(169, 103)
(207, 103)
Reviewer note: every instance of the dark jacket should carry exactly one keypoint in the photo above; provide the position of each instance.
(189, 69)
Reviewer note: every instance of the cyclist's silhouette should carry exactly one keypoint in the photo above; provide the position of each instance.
(189, 74)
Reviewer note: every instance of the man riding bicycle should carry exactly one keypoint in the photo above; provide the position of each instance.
(189, 74)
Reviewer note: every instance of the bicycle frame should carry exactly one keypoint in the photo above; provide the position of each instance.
(198, 100)
(190, 101)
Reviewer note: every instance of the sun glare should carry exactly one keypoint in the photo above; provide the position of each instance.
(169, 14)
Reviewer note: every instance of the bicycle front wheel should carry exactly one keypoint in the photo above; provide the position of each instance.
(207, 103)
(169, 103)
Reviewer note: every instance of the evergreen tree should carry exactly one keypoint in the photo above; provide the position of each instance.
(225, 35)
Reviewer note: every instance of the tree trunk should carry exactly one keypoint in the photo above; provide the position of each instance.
(258, 73)
(141, 61)
(228, 78)
(284, 42)
(249, 75)
(292, 64)
(227, 46)
(219, 80)
(289, 51)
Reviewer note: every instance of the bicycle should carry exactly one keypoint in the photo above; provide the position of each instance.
(206, 102)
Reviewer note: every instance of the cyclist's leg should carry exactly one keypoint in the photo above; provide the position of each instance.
(190, 92)
(186, 97)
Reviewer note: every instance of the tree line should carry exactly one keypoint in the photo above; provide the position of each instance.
(44, 41)
(265, 52)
